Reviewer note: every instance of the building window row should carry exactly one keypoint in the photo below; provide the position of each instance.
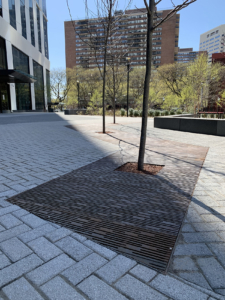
(12, 13)
(0, 8)
(23, 18)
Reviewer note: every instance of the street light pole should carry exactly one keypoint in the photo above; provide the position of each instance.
(78, 90)
(128, 72)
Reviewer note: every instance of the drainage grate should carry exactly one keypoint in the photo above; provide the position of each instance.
(135, 215)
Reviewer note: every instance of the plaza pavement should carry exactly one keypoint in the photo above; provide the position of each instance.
(41, 260)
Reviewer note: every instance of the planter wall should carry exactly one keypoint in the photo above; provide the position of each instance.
(195, 125)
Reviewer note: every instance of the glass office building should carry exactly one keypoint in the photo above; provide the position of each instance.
(24, 56)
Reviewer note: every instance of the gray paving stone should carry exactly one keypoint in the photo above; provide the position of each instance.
(19, 268)
(192, 249)
(21, 290)
(143, 273)
(8, 209)
(58, 289)
(79, 237)
(50, 269)
(4, 261)
(2, 228)
(137, 290)
(9, 221)
(58, 234)
(220, 291)
(219, 250)
(15, 249)
(32, 220)
(74, 248)
(44, 249)
(4, 203)
(216, 226)
(96, 289)
(84, 268)
(196, 278)
(8, 194)
(201, 237)
(187, 228)
(35, 233)
(116, 268)
(100, 250)
(213, 272)
(176, 289)
(20, 212)
(184, 263)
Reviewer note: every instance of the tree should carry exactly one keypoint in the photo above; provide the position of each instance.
(151, 26)
(100, 34)
(61, 82)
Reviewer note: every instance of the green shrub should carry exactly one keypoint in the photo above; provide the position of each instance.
(172, 112)
(157, 113)
(122, 112)
(140, 113)
(89, 110)
(212, 116)
(184, 113)
(136, 113)
(163, 113)
(167, 112)
(151, 113)
(131, 112)
(178, 112)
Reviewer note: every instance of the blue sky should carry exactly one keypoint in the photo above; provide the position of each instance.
(196, 19)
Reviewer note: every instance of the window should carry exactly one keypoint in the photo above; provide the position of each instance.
(23, 18)
(48, 86)
(23, 95)
(31, 10)
(3, 64)
(39, 28)
(12, 13)
(45, 25)
(1, 8)
(38, 86)
(44, 7)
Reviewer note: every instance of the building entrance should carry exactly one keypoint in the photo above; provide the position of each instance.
(4, 98)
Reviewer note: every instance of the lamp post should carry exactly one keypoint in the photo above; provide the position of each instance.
(128, 72)
(78, 90)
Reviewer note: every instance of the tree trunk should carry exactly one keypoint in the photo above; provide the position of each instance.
(103, 96)
(114, 96)
(146, 86)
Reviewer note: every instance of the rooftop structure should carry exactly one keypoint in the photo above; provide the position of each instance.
(186, 55)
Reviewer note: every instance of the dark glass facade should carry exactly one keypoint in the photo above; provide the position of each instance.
(45, 25)
(31, 11)
(12, 13)
(48, 86)
(39, 29)
(4, 87)
(23, 95)
(3, 64)
(39, 86)
(44, 9)
(1, 8)
(23, 19)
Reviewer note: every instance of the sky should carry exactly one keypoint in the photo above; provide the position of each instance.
(199, 17)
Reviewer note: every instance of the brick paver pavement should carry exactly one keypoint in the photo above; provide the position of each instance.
(56, 274)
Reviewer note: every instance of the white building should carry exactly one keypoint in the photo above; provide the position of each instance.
(24, 48)
(213, 41)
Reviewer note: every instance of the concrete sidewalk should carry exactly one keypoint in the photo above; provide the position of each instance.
(41, 260)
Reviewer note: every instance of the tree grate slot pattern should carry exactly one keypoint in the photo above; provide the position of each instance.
(136, 215)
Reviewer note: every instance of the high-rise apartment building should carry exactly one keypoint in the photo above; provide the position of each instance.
(213, 41)
(186, 55)
(132, 29)
(24, 56)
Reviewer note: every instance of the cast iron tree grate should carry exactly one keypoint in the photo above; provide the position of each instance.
(136, 215)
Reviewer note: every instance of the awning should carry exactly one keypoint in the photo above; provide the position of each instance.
(15, 76)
